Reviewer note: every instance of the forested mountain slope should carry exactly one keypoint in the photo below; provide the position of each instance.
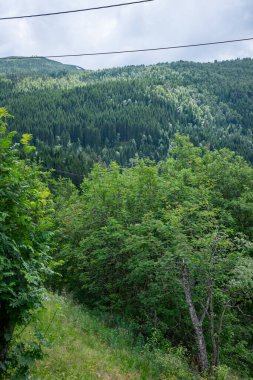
(78, 117)
(34, 66)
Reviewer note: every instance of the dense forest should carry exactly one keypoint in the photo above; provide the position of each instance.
(139, 266)
(79, 117)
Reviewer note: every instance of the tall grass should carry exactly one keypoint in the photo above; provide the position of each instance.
(83, 347)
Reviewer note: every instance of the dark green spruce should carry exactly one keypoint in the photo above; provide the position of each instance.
(79, 117)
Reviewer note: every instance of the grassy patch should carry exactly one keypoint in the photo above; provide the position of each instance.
(83, 347)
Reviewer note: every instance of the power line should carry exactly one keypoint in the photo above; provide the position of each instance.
(136, 50)
(74, 11)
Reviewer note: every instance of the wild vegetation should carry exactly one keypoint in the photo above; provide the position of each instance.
(91, 345)
(168, 245)
(81, 117)
(25, 232)
(155, 243)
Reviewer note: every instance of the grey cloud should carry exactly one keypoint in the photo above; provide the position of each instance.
(159, 23)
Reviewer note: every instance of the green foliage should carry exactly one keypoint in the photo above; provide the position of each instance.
(23, 356)
(125, 238)
(90, 345)
(82, 117)
(25, 233)
(138, 223)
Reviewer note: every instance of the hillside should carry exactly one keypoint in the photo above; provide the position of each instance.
(34, 66)
(81, 117)
(158, 256)
(84, 346)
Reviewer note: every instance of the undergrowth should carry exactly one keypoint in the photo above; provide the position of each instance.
(83, 347)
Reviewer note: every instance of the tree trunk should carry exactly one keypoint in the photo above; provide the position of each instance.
(219, 335)
(212, 328)
(197, 324)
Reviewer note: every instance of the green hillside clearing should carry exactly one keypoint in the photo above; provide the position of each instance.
(83, 347)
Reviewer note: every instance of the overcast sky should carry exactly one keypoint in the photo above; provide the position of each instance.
(154, 24)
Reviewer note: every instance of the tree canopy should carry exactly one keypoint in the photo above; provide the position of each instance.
(168, 244)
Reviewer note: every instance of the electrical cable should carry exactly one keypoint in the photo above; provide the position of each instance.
(74, 11)
(135, 50)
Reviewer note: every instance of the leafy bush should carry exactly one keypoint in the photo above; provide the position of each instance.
(25, 232)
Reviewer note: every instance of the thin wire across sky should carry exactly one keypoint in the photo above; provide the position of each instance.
(112, 52)
(73, 11)
(137, 50)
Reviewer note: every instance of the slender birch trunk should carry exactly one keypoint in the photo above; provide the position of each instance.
(197, 324)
